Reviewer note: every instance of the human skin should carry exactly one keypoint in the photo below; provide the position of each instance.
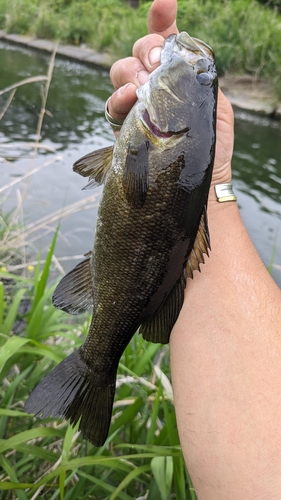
(226, 345)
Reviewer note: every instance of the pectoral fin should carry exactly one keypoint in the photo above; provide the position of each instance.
(95, 165)
(74, 293)
(135, 178)
(201, 246)
(158, 328)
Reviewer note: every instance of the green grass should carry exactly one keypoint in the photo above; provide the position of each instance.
(245, 35)
(49, 459)
(8, 227)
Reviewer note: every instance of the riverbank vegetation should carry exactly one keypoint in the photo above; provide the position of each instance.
(245, 34)
(141, 458)
(49, 459)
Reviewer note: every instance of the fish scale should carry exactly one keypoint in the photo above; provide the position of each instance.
(151, 233)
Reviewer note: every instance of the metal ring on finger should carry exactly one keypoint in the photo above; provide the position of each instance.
(114, 123)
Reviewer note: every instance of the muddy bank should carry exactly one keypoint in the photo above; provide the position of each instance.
(245, 92)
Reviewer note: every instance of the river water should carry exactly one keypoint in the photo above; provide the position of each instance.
(46, 191)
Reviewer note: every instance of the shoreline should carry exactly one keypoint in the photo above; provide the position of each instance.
(243, 91)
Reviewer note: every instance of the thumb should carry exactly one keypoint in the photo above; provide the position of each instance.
(162, 17)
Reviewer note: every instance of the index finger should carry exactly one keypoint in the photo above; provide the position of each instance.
(162, 18)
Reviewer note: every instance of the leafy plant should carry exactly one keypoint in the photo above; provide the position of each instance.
(49, 457)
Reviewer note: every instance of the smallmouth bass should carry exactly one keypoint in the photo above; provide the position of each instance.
(151, 233)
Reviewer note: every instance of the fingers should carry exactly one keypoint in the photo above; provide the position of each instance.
(162, 17)
(224, 142)
(129, 73)
(225, 110)
(126, 76)
(146, 57)
(148, 49)
(128, 70)
(122, 101)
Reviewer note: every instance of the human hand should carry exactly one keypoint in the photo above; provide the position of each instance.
(129, 73)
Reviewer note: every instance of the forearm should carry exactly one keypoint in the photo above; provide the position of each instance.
(226, 344)
(226, 369)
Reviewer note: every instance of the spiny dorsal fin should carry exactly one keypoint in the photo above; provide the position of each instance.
(95, 165)
(159, 327)
(135, 178)
(74, 293)
(201, 246)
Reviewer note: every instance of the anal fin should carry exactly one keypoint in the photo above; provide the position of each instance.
(159, 327)
(74, 293)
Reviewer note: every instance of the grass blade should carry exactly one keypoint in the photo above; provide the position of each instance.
(22, 437)
(105, 485)
(8, 323)
(40, 285)
(132, 475)
(11, 346)
(13, 477)
(162, 468)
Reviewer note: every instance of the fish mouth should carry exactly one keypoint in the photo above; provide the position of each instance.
(153, 129)
(193, 48)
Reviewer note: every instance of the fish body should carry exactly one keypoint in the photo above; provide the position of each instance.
(151, 233)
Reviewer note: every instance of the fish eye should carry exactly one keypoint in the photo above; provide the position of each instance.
(204, 78)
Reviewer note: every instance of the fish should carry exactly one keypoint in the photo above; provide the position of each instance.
(151, 233)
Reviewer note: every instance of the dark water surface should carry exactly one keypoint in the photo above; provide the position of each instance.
(74, 125)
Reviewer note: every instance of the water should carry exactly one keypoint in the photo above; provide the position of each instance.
(257, 182)
(75, 125)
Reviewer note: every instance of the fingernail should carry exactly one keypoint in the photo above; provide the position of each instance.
(142, 76)
(154, 55)
(121, 90)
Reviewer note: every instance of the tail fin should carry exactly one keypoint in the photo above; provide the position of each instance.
(69, 391)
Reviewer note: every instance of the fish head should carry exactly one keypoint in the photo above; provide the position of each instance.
(184, 83)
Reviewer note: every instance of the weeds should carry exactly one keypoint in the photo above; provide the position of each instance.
(142, 452)
(48, 459)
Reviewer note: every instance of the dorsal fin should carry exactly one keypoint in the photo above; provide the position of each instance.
(201, 246)
(95, 165)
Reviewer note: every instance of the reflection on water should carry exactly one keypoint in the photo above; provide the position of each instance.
(257, 180)
(75, 124)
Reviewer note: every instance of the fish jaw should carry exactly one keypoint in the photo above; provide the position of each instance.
(185, 79)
